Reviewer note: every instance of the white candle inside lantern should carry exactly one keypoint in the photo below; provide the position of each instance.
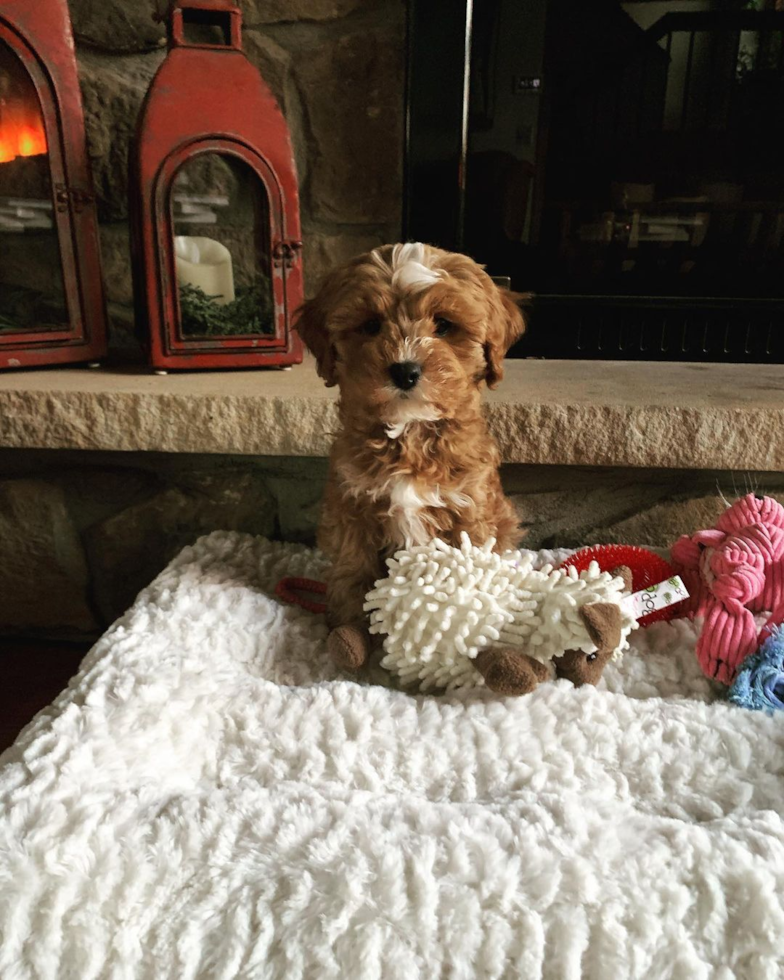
(205, 263)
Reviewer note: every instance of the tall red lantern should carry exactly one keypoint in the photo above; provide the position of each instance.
(51, 294)
(215, 208)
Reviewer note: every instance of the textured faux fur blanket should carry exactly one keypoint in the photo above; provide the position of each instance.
(209, 799)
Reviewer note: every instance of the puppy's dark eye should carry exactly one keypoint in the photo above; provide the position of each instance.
(591, 657)
(443, 326)
(371, 328)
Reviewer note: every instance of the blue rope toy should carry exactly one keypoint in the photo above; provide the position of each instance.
(760, 681)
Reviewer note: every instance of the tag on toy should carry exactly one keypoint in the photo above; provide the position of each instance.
(656, 597)
(646, 566)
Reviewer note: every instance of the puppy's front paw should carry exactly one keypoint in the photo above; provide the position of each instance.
(348, 646)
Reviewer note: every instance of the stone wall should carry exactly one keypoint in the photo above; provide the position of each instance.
(82, 532)
(336, 68)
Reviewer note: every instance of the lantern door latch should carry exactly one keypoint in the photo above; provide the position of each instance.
(285, 253)
(79, 199)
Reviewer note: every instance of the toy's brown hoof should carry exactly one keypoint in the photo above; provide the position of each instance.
(510, 672)
(348, 646)
(581, 668)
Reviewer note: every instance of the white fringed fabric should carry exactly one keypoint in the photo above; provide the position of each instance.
(209, 799)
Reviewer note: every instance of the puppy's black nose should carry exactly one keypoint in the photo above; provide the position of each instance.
(405, 374)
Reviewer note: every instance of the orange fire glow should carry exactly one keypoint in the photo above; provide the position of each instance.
(22, 132)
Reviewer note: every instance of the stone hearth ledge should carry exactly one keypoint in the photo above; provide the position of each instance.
(595, 413)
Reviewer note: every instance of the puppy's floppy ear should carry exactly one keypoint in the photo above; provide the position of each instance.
(506, 325)
(311, 325)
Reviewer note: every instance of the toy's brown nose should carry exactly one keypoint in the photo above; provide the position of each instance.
(405, 374)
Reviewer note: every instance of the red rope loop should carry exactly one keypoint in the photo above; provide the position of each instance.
(288, 589)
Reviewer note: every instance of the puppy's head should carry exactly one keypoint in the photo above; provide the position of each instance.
(409, 332)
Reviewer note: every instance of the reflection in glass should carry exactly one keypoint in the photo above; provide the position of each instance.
(31, 280)
(653, 165)
(221, 247)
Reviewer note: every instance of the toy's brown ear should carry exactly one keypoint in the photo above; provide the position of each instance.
(507, 324)
(311, 325)
(624, 572)
(603, 622)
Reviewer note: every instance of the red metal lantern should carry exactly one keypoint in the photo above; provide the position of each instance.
(215, 207)
(51, 293)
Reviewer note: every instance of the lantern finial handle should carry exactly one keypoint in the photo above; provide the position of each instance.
(213, 24)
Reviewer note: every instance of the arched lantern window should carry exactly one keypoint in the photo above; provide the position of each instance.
(51, 295)
(215, 206)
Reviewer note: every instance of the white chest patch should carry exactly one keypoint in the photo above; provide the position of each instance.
(407, 504)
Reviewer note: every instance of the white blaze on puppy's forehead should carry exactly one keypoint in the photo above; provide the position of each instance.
(410, 269)
(412, 348)
(412, 328)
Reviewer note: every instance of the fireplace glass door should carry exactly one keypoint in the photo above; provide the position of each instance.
(622, 159)
(32, 295)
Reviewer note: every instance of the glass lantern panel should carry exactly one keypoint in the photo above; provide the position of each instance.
(32, 294)
(220, 216)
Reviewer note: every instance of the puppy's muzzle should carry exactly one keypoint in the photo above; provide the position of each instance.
(405, 374)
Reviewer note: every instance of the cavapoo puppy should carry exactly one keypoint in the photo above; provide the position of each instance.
(409, 333)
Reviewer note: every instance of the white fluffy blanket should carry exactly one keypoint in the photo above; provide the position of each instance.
(209, 799)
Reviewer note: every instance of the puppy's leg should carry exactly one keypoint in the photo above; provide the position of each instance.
(493, 515)
(355, 567)
(352, 575)
(508, 532)
(503, 515)
(349, 640)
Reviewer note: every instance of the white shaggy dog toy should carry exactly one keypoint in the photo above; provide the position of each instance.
(462, 617)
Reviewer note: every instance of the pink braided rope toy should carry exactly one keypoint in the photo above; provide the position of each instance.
(733, 571)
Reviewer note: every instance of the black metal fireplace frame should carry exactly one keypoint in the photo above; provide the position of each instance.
(659, 328)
